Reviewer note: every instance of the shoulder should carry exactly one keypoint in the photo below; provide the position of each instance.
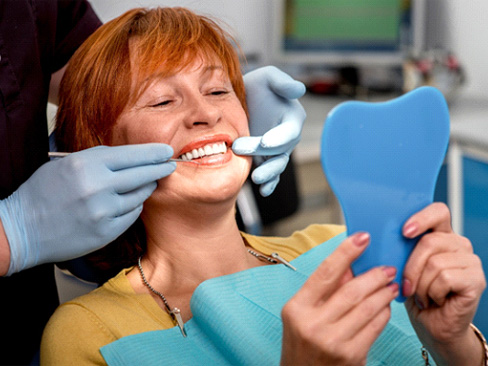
(75, 21)
(80, 327)
(114, 307)
(318, 233)
(77, 329)
(74, 333)
(297, 243)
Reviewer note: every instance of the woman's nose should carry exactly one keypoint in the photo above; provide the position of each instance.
(201, 111)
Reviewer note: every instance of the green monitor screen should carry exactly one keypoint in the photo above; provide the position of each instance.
(335, 30)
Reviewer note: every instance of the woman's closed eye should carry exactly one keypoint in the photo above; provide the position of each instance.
(162, 103)
(220, 92)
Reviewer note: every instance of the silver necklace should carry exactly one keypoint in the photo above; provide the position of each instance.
(175, 313)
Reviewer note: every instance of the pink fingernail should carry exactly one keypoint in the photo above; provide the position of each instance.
(407, 288)
(394, 287)
(410, 229)
(390, 271)
(361, 239)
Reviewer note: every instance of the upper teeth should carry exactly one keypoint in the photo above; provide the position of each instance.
(211, 149)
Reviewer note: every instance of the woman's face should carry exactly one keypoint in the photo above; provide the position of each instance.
(197, 113)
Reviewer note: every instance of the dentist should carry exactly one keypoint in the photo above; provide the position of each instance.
(93, 196)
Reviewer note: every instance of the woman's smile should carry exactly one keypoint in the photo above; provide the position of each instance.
(208, 150)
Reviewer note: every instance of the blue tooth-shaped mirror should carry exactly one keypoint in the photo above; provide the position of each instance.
(382, 161)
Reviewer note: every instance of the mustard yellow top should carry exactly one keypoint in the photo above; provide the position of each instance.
(80, 327)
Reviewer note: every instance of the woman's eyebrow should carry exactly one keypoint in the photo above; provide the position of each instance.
(211, 72)
(210, 69)
(214, 67)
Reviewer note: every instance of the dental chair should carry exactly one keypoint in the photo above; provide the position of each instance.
(70, 286)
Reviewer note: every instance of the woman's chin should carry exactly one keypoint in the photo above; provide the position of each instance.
(216, 193)
(173, 196)
(203, 185)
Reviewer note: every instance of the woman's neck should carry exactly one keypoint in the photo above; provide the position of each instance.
(204, 241)
(185, 250)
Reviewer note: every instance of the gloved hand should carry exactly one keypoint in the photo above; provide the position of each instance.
(75, 205)
(275, 121)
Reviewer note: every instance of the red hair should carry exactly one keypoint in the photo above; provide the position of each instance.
(98, 82)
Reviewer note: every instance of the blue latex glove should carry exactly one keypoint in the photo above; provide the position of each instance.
(275, 121)
(75, 205)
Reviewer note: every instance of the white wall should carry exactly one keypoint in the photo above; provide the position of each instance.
(460, 26)
(457, 25)
(468, 38)
(246, 18)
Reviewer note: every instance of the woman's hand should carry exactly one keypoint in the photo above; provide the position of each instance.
(444, 281)
(335, 318)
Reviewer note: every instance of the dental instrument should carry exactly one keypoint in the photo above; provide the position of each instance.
(57, 154)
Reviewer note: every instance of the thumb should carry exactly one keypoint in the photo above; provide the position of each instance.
(284, 85)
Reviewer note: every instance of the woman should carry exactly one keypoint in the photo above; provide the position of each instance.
(168, 75)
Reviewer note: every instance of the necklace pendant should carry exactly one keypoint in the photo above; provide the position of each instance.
(176, 314)
(282, 260)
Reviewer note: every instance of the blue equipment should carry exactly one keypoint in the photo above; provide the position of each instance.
(382, 161)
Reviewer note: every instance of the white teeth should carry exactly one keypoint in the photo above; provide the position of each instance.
(207, 150)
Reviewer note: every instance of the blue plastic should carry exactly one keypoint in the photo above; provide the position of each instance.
(382, 161)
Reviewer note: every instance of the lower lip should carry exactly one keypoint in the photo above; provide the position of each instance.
(213, 160)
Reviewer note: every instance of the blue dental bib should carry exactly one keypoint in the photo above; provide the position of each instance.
(236, 321)
(382, 161)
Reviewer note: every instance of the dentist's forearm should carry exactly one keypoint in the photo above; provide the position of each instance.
(4, 252)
